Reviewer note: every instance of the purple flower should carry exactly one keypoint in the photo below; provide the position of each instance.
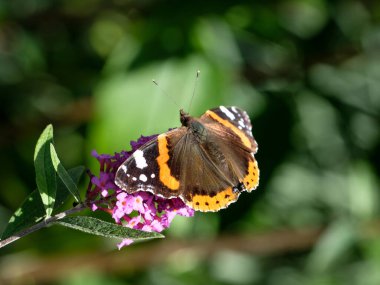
(125, 242)
(140, 210)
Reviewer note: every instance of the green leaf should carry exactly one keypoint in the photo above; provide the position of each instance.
(101, 228)
(32, 210)
(62, 173)
(45, 173)
(62, 192)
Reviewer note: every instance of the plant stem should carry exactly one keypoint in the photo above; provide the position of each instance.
(42, 224)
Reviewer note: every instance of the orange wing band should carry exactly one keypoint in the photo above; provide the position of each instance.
(207, 203)
(165, 175)
(251, 180)
(245, 140)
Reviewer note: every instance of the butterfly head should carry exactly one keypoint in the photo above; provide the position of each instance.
(185, 118)
(194, 126)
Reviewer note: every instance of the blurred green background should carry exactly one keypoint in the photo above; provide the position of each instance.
(307, 72)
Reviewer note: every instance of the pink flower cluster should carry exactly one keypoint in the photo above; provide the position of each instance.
(141, 210)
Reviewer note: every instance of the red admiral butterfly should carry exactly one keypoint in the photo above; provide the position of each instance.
(207, 162)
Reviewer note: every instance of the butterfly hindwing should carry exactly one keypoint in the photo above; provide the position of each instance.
(207, 179)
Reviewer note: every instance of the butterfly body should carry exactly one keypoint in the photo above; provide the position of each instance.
(207, 162)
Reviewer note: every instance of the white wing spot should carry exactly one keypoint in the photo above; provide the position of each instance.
(143, 178)
(240, 128)
(124, 168)
(227, 112)
(241, 123)
(234, 109)
(152, 175)
(140, 159)
(134, 178)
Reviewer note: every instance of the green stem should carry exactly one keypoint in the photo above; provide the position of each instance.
(42, 224)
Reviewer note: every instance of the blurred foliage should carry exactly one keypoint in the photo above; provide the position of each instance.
(308, 73)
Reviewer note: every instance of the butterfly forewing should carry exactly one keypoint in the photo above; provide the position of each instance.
(236, 120)
(147, 169)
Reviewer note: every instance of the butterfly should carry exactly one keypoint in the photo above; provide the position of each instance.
(207, 162)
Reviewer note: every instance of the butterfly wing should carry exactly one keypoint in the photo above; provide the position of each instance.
(147, 168)
(222, 165)
(207, 180)
(230, 128)
(236, 120)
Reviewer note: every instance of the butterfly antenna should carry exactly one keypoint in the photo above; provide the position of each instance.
(166, 94)
(195, 87)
